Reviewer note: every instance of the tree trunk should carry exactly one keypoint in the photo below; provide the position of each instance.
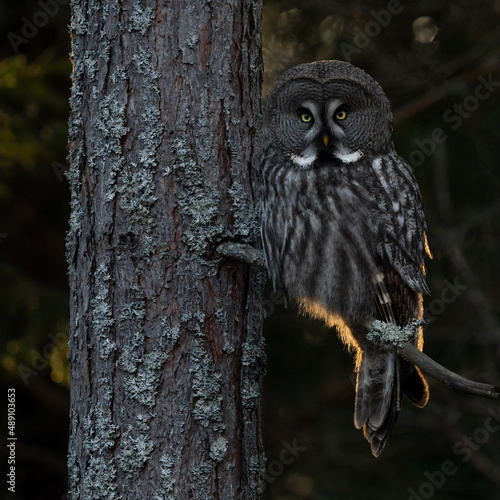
(165, 345)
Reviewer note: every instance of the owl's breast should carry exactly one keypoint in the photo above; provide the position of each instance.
(318, 241)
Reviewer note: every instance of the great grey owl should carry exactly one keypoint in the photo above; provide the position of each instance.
(343, 226)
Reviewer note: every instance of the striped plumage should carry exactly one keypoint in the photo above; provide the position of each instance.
(343, 227)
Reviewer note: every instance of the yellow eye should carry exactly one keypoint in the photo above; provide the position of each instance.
(341, 115)
(306, 117)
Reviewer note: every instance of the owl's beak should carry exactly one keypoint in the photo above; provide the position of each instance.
(325, 140)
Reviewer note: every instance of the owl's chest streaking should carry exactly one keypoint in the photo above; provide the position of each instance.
(325, 230)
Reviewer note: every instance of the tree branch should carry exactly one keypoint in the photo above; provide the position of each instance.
(243, 253)
(411, 353)
(387, 335)
(448, 87)
(396, 339)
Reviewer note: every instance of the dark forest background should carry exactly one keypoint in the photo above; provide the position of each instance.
(439, 63)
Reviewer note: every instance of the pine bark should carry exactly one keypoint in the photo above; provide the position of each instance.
(166, 349)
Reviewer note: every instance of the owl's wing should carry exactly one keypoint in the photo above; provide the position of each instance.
(401, 226)
(398, 304)
(383, 376)
(400, 280)
(397, 286)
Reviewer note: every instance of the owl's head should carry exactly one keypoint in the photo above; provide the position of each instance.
(328, 111)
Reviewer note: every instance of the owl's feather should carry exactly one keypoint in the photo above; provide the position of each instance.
(377, 395)
(343, 227)
(383, 376)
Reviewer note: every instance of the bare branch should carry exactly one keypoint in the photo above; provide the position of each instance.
(243, 253)
(448, 87)
(411, 353)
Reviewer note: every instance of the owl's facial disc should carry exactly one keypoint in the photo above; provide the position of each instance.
(323, 135)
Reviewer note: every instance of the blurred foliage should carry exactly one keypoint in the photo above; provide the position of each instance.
(428, 57)
(34, 209)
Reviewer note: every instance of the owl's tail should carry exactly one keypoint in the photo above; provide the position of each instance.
(382, 379)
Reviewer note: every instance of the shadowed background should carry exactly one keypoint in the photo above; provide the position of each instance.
(439, 65)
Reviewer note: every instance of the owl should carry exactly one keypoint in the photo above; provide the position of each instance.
(343, 225)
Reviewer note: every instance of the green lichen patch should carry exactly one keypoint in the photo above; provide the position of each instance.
(218, 449)
(141, 19)
(198, 201)
(135, 447)
(389, 334)
(246, 219)
(206, 387)
(102, 313)
(142, 385)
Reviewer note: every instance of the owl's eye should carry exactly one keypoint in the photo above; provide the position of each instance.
(341, 115)
(306, 117)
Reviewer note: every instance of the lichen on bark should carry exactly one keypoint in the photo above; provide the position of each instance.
(166, 350)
